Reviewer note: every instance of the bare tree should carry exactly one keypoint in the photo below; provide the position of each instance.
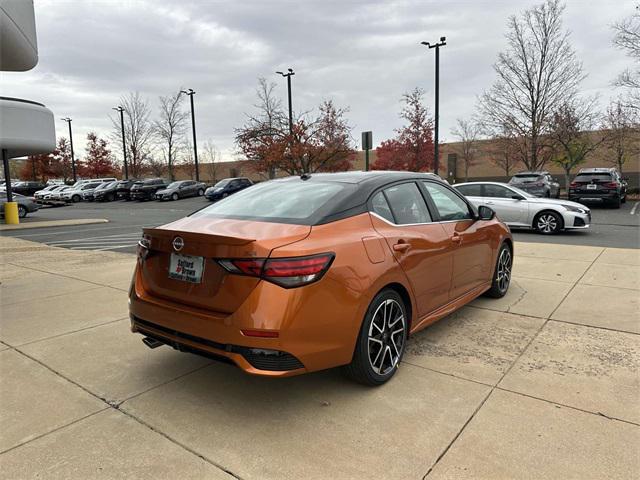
(137, 129)
(536, 73)
(623, 124)
(170, 127)
(627, 38)
(210, 157)
(574, 135)
(467, 131)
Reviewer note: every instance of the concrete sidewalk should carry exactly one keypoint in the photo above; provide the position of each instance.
(543, 383)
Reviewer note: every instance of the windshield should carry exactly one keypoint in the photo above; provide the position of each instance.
(525, 178)
(593, 177)
(285, 202)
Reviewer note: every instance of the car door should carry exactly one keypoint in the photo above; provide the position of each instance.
(190, 189)
(508, 205)
(420, 246)
(470, 238)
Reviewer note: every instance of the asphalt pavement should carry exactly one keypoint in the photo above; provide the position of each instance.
(609, 228)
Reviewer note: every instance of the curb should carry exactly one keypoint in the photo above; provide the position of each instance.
(52, 223)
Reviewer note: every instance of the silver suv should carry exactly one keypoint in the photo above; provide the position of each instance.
(538, 184)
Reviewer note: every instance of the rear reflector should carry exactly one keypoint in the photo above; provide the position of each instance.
(260, 333)
(287, 272)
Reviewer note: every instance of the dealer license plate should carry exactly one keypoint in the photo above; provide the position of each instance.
(186, 268)
(592, 186)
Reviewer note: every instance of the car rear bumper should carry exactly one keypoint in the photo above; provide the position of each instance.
(598, 197)
(309, 337)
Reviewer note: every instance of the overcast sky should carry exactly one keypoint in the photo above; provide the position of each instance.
(363, 55)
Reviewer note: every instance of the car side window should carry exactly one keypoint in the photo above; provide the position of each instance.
(450, 206)
(407, 204)
(381, 207)
(474, 190)
(496, 191)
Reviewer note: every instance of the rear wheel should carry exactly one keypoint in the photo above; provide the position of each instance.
(200, 192)
(616, 202)
(548, 223)
(502, 273)
(22, 211)
(381, 342)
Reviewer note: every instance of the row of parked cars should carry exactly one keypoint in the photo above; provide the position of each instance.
(110, 189)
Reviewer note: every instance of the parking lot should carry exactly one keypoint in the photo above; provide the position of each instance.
(609, 228)
(540, 384)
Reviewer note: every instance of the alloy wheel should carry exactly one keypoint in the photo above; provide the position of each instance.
(503, 276)
(547, 223)
(386, 337)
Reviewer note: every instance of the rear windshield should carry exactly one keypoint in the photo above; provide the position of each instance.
(283, 202)
(525, 178)
(589, 177)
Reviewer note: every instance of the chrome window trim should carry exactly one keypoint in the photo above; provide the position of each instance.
(412, 224)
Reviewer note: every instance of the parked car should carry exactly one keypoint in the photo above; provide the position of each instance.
(28, 188)
(40, 194)
(106, 193)
(77, 193)
(54, 196)
(518, 208)
(602, 185)
(318, 271)
(94, 180)
(181, 189)
(89, 193)
(227, 187)
(26, 205)
(538, 184)
(123, 188)
(146, 189)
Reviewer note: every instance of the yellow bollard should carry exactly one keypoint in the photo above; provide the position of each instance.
(11, 213)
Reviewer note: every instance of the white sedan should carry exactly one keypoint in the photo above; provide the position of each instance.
(518, 208)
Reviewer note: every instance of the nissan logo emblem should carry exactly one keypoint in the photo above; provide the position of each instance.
(178, 243)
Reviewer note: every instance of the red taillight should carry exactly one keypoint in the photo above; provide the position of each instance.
(573, 184)
(286, 272)
(144, 245)
(260, 333)
(611, 184)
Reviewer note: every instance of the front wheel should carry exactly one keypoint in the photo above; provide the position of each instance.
(75, 198)
(381, 342)
(174, 197)
(502, 273)
(548, 223)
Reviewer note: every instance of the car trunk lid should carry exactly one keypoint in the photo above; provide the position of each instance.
(212, 239)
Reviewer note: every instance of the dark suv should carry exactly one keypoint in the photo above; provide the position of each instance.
(226, 187)
(603, 185)
(124, 188)
(146, 189)
(28, 188)
(538, 184)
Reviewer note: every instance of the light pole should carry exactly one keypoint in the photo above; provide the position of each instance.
(288, 75)
(191, 93)
(120, 109)
(436, 158)
(73, 158)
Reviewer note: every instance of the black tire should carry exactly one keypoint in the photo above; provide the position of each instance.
(548, 223)
(174, 197)
(375, 331)
(548, 194)
(22, 211)
(616, 202)
(502, 273)
(200, 192)
(111, 197)
(623, 199)
(75, 198)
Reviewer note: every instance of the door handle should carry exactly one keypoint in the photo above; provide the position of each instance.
(489, 203)
(401, 246)
(456, 238)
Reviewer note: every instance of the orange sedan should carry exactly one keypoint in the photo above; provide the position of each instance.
(324, 270)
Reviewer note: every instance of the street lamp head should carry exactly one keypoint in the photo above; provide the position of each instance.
(119, 108)
(288, 74)
(188, 92)
(66, 119)
(426, 43)
(443, 39)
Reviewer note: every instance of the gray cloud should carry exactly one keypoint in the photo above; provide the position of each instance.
(362, 54)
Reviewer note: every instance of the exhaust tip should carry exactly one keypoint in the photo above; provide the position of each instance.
(152, 342)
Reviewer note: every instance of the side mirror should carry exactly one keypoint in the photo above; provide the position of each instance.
(485, 213)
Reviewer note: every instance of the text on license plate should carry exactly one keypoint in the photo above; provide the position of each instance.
(186, 268)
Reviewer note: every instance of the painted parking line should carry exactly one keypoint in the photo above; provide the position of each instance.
(635, 208)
